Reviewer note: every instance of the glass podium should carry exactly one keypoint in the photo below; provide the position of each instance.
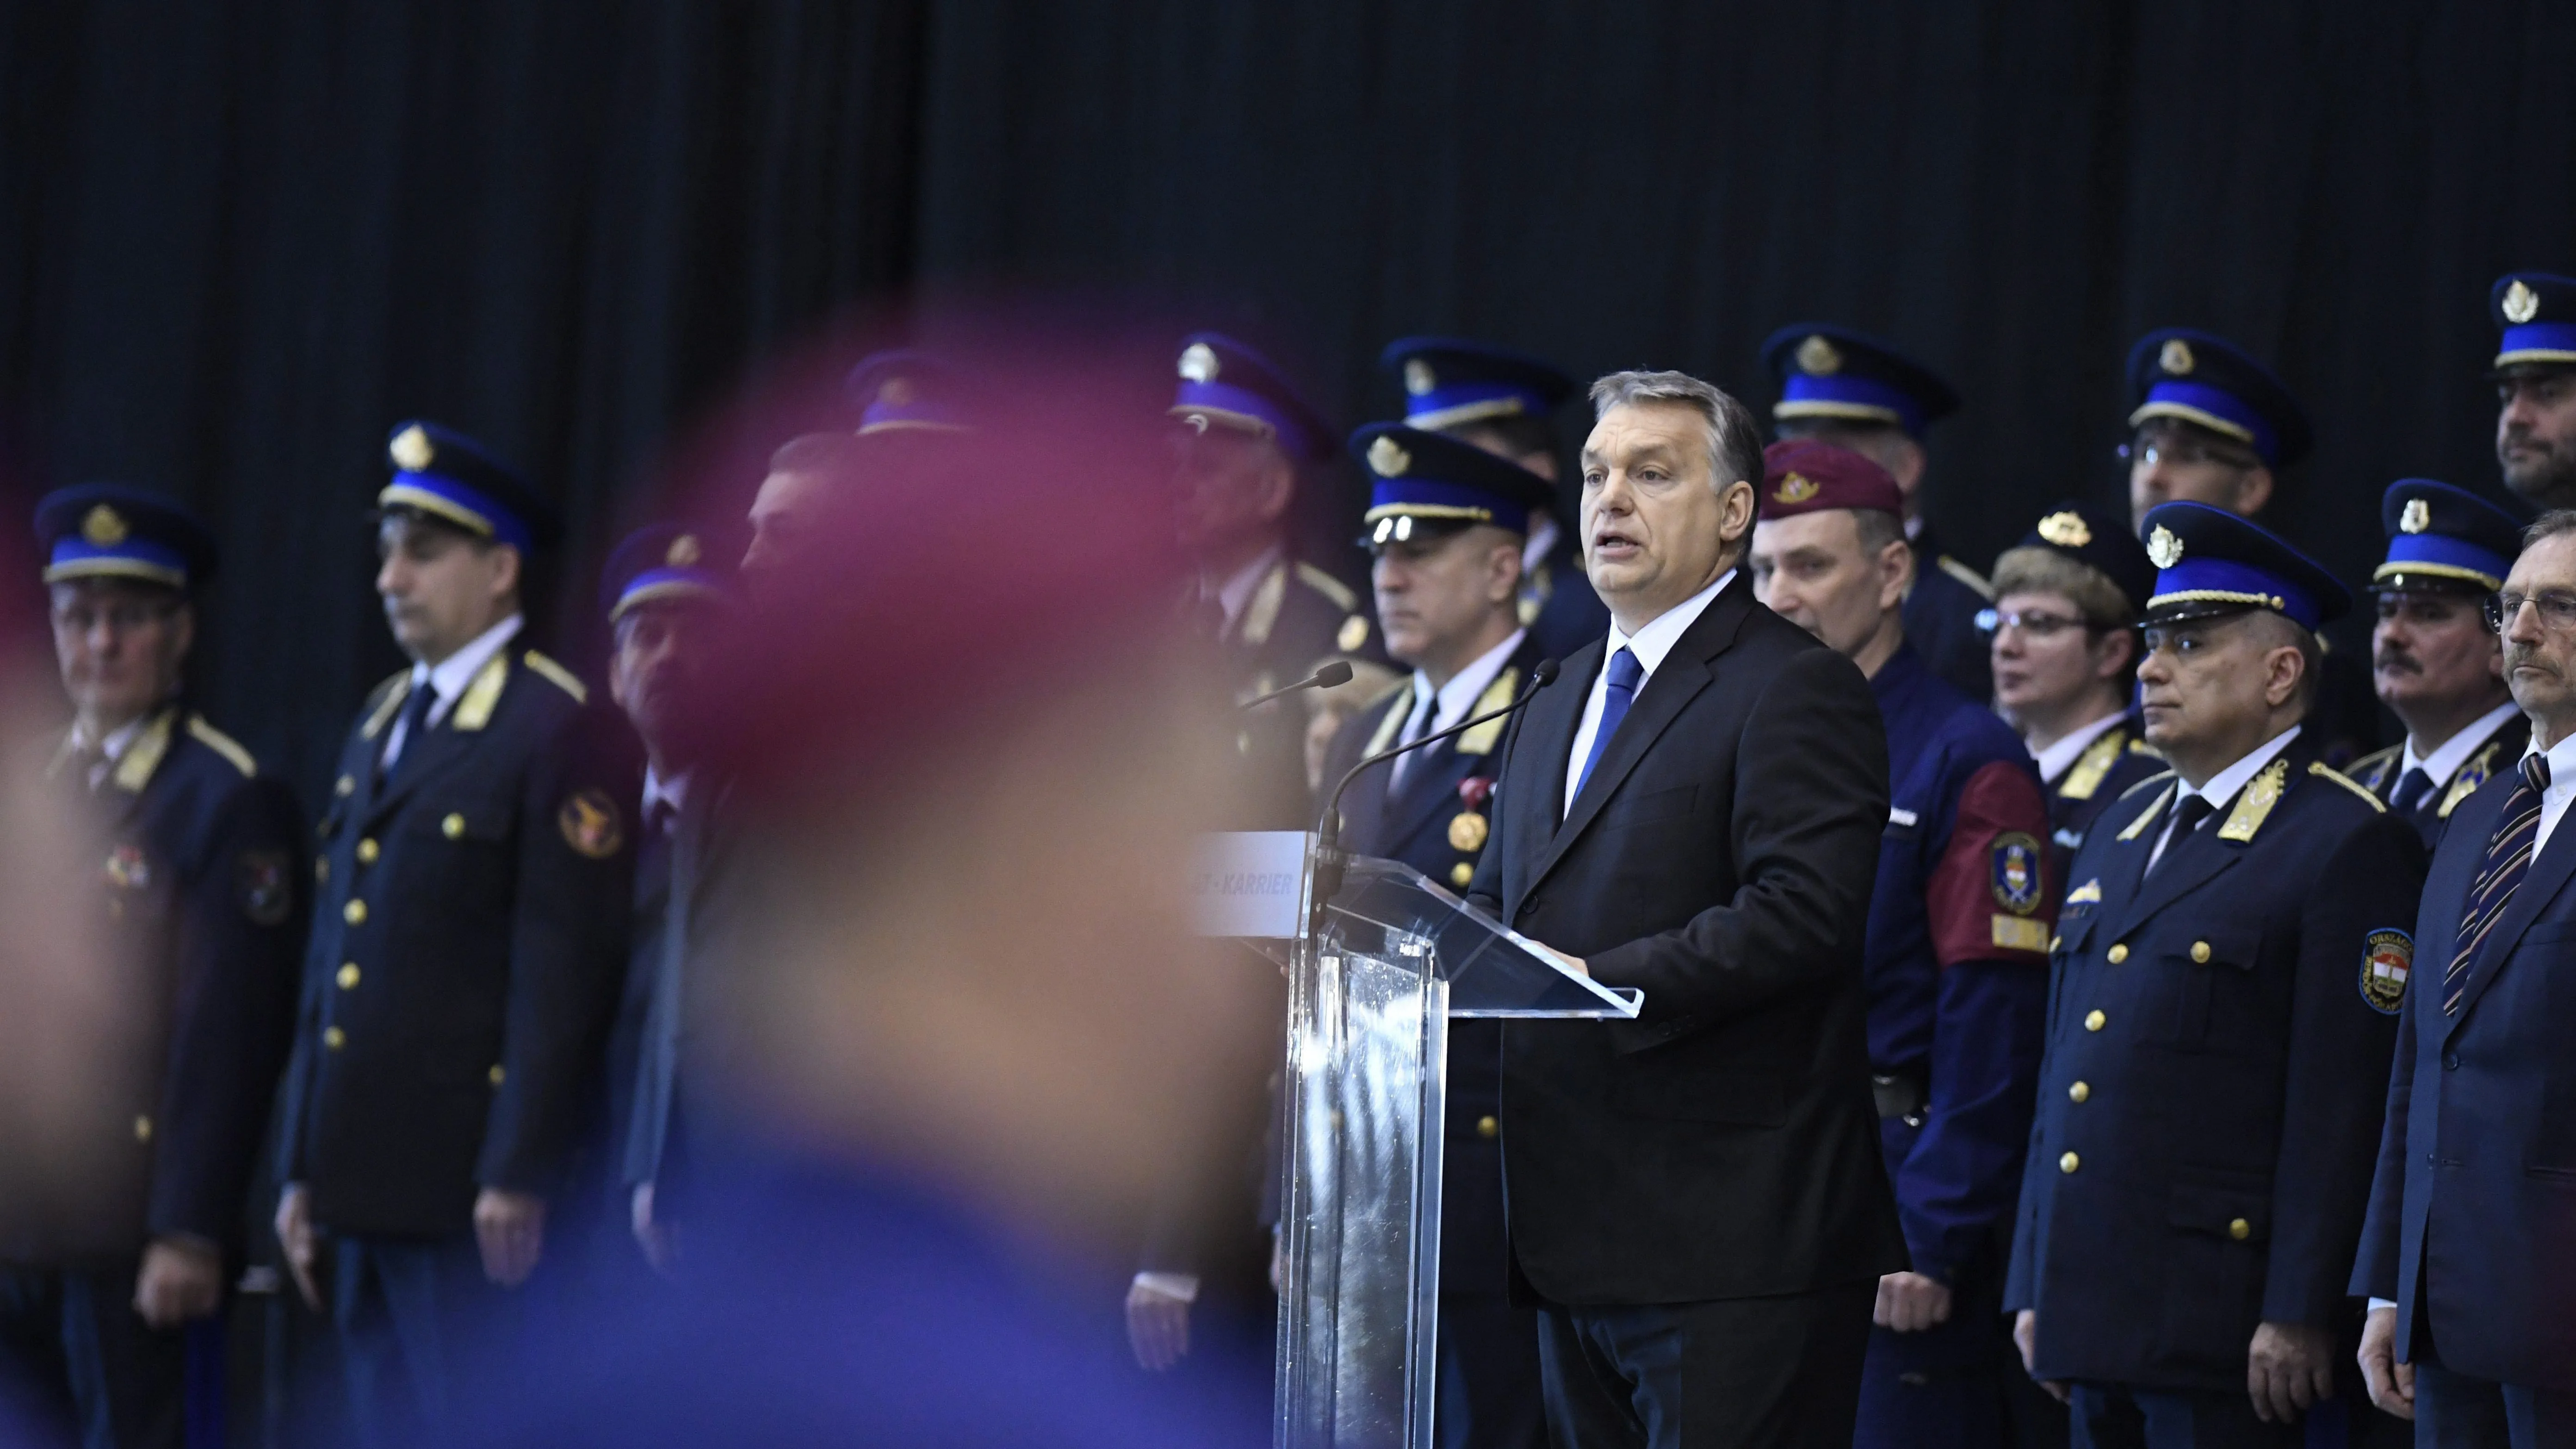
(1374, 976)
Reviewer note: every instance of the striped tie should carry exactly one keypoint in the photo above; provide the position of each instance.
(2508, 861)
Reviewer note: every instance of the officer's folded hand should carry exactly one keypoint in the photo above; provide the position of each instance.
(1911, 1302)
(510, 1227)
(181, 1279)
(2392, 1384)
(2289, 1367)
(296, 1236)
(2026, 1338)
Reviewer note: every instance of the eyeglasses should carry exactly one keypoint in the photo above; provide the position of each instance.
(2557, 611)
(1991, 622)
(119, 618)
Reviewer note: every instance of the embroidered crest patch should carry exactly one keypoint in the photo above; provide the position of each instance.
(590, 824)
(265, 896)
(127, 869)
(2386, 959)
(2014, 861)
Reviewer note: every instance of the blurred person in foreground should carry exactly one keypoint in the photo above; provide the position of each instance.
(1694, 1200)
(1957, 958)
(959, 1035)
(2469, 1252)
(476, 880)
(197, 879)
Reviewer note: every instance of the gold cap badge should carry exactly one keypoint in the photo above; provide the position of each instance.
(411, 449)
(1387, 458)
(683, 552)
(1819, 358)
(2163, 549)
(1795, 488)
(897, 392)
(103, 527)
(1198, 362)
(2417, 517)
(2521, 304)
(1418, 376)
(2176, 359)
(2066, 530)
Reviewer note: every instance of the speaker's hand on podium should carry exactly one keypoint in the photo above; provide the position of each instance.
(1570, 963)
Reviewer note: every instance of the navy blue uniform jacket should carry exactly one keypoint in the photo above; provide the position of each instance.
(2209, 1100)
(2117, 760)
(1941, 619)
(2473, 1211)
(468, 939)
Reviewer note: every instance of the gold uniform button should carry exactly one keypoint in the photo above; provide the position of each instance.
(453, 827)
(2200, 952)
(2093, 1020)
(2054, 942)
(1488, 1127)
(2079, 1092)
(355, 913)
(348, 977)
(2069, 1163)
(344, 786)
(334, 1038)
(142, 1129)
(2240, 1230)
(1462, 875)
(367, 851)
(2117, 953)
(496, 1074)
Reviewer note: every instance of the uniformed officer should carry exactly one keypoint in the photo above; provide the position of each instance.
(197, 863)
(1244, 437)
(2535, 378)
(1854, 391)
(2438, 667)
(1445, 528)
(667, 595)
(2209, 424)
(1501, 401)
(477, 871)
(2227, 972)
(1956, 950)
(2065, 630)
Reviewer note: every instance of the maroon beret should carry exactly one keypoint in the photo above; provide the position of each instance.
(1805, 476)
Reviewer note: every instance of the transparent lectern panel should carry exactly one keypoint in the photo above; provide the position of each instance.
(1491, 969)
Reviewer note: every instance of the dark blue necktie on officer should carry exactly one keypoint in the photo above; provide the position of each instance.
(415, 723)
(2188, 812)
(2412, 787)
(1619, 691)
(2507, 861)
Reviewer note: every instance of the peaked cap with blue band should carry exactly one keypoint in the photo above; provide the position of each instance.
(2536, 313)
(1226, 384)
(2101, 542)
(110, 531)
(663, 563)
(2204, 379)
(2210, 561)
(1825, 371)
(2441, 537)
(894, 391)
(446, 475)
(1420, 479)
(1449, 381)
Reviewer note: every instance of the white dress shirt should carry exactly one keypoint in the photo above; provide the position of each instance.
(1650, 644)
(113, 748)
(2445, 762)
(1543, 534)
(2220, 788)
(1436, 710)
(448, 679)
(1235, 594)
(673, 792)
(2562, 787)
(2058, 758)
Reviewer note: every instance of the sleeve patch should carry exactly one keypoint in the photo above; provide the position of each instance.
(2387, 958)
(2020, 933)
(266, 893)
(591, 824)
(2013, 862)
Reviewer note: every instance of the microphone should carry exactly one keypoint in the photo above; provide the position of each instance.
(1328, 829)
(1329, 676)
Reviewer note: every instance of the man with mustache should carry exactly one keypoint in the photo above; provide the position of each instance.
(2535, 378)
(1957, 951)
(2437, 664)
(2466, 1254)
(2228, 969)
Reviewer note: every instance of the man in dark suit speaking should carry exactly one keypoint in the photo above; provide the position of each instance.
(1694, 1199)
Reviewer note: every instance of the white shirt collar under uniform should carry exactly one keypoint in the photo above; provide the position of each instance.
(2222, 787)
(1652, 641)
(447, 679)
(2058, 758)
(1436, 710)
(2445, 762)
(673, 792)
(1236, 592)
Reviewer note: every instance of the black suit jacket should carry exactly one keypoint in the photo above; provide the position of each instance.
(1721, 857)
(467, 943)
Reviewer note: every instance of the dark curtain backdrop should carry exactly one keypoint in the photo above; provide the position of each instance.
(240, 239)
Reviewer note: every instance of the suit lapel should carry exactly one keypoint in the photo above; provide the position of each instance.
(1547, 737)
(2190, 862)
(2548, 875)
(441, 745)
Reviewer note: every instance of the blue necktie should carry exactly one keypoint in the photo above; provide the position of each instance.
(2412, 787)
(1619, 692)
(2508, 860)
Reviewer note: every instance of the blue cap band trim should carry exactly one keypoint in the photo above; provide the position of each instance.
(1430, 498)
(2444, 554)
(884, 417)
(654, 585)
(2213, 408)
(1236, 402)
(2225, 580)
(135, 558)
(1444, 407)
(2537, 342)
(435, 493)
(1842, 395)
